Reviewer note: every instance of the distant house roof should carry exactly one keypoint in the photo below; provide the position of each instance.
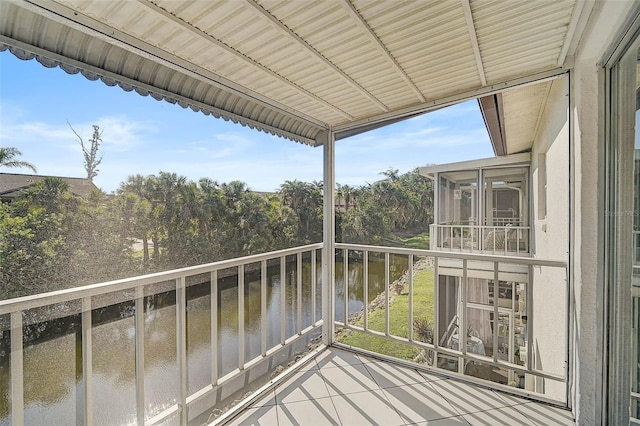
(12, 184)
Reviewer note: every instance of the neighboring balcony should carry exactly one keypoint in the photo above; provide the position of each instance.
(482, 206)
(508, 240)
(188, 345)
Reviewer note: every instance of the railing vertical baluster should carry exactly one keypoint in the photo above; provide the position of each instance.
(214, 328)
(451, 237)
(530, 319)
(263, 306)
(87, 360)
(345, 281)
(139, 306)
(17, 369)
(493, 233)
(365, 290)
(472, 231)
(436, 310)
(512, 339)
(386, 294)
(506, 241)
(283, 305)
(181, 345)
(496, 296)
(299, 292)
(314, 288)
(241, 339)
(462, 330)
(410, 260)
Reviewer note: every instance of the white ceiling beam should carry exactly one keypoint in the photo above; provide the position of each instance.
(185, 25)
(432, 105)
(543, 102)
(292, 35)
(474, 40)
(382, 48)
(571, 31)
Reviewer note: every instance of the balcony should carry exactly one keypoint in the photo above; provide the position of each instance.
(501, 240)
(474, 342)
(482, 206)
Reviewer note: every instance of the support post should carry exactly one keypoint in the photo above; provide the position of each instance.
(329, 234)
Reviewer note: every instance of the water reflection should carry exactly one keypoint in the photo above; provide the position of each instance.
(53, 366)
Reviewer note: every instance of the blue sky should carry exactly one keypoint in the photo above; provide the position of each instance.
(142, 135)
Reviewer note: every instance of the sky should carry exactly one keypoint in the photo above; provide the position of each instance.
(143, 136)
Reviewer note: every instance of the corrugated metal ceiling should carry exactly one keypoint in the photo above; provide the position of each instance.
(296, 68)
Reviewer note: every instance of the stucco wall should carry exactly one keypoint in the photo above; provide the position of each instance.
(587, 99)
(551, 236)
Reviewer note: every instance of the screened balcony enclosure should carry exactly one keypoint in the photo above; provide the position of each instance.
(482, 206)
(478, 329)
(197, 344)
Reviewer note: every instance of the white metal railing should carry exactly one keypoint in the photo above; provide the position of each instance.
(507, 239)
(133, 289)
(497, 271)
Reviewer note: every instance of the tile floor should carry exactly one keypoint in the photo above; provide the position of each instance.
(342, 388)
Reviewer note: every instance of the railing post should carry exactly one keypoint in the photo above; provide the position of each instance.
(496, 296)
(181, 345)
(299, 293)
(410, 276)
(386, 293)
(529, 311)
(283, 299)
(263, 307)
(314, 307)
(139, 304)
(345, 281)
(365, 290)
(432, 236)
(462, 328)
(214, 327)
(87, 361)
(436, 310)
(329, 236)
(241, 342)
(17, 370)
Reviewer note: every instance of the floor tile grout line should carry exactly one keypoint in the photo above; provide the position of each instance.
(427, 385)
(393, 374)
(394, 407)
(530, 418)
(333, 404)
(303, 390)
(354, 378)
(435, 389)
(527, 419)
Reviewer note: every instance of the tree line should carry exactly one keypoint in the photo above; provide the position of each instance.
(52, 239)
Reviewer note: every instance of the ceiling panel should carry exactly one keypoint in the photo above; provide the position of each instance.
(296, 68)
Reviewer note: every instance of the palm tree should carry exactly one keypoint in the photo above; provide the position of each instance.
(7, 159)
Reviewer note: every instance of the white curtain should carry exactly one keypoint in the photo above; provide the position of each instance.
(479, 320)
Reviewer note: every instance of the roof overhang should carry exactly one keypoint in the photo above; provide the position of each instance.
(523, 159)
(300, 69)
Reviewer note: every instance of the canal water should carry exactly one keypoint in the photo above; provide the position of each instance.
(53, 353)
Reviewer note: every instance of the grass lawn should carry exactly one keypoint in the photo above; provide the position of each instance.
(420, 241)
(423, 295)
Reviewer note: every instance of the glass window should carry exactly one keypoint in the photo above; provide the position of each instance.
(623, 210)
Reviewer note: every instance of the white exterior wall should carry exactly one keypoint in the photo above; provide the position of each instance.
(551, 237)
(587, 137)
